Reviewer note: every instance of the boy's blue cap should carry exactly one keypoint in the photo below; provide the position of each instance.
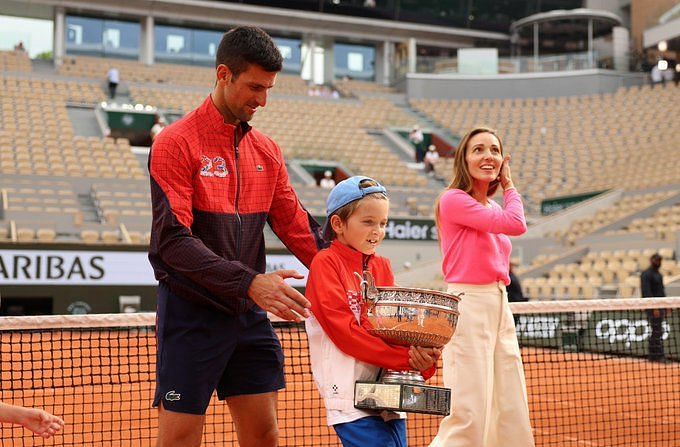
(346, 192)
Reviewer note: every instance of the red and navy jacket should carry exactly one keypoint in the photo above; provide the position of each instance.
(213, 188)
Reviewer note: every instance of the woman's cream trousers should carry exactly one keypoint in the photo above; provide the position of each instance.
(483, 368)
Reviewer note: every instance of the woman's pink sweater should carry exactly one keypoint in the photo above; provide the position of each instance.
(474, 238)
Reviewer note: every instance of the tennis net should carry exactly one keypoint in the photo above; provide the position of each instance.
(589, 380)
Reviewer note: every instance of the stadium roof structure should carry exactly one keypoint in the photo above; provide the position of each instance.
(560, 28)
(605, 17)
(213, 14)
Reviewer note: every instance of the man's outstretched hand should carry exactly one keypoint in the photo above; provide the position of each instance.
(272, 294)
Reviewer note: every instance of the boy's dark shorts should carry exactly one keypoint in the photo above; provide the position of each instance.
(201, 350)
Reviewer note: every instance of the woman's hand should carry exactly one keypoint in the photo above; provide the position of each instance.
(505, 176)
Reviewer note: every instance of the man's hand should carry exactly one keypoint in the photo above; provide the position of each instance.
(421, 358)
(272, 294)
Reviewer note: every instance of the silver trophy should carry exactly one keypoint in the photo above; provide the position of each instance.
(408, 317)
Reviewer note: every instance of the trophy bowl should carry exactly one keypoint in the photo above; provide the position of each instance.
(412, 317)
(409, 317)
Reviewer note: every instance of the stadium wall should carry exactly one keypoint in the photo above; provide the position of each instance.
(525, 85)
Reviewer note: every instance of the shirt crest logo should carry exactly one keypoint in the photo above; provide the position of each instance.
(215, 167)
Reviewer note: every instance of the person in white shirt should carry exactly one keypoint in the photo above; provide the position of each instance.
(430, 159)
(327, 181)
(656, 75)
(113, 76)
(158, 126)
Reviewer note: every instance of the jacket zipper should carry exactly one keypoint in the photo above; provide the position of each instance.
(238, 193)
(364, 263)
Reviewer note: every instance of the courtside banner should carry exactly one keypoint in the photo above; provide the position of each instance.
(401, 229)
(103, 268)
(610, 332)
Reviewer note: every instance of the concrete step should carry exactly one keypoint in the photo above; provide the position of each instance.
(88, 208)
(84, 121)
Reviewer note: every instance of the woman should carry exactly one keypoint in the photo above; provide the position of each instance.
(482, 362)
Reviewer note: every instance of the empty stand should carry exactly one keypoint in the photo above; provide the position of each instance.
(566, 145)
(15, 61)
(178, 75)
(617, 271)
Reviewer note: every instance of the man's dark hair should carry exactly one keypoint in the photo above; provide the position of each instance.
(245, 45)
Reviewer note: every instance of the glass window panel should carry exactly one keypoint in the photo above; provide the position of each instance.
(354, 61)
(84, 35)
(173, 44)
(205, 44)
(121, 39)
(290, 50)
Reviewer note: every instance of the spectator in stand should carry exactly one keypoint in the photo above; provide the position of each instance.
(430, 159)
(158, 126)
(38, 421)
(327, 181)
(651, 285)
(417, 138)
(514, 289)
(669, 73)
(20, 47)
(655, 75)
(113, 76)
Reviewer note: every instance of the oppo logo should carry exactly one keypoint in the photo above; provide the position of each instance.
(529, 326)
(627, 331)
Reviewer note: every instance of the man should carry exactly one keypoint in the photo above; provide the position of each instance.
(651, 285)
(114, 78)
(416, 137)
(215, 181)
(515, 288)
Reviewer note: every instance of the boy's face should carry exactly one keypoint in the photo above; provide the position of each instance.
(364, 230)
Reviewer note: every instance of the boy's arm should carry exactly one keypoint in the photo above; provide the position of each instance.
(331, 309)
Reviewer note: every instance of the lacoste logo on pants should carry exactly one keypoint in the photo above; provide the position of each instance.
(172, 395)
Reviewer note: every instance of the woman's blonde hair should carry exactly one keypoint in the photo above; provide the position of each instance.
(461, 173)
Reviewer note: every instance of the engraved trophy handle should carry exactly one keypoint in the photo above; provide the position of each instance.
(367, 284)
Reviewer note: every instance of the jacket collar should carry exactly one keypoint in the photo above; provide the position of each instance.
(215, 120)
(350, 255)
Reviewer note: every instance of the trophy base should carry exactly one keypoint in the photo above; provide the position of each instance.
(402, 397)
